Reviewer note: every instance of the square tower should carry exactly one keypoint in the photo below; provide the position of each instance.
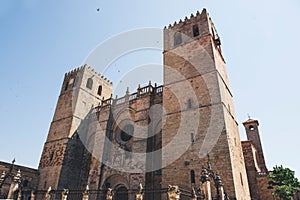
(62, 157)
(199, 116)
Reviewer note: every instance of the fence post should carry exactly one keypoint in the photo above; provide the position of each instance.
(85, 194)
(64, 194)
(173, 193)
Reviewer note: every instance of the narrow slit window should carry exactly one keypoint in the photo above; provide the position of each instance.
(196, 30)
(189, 103)
(192, 138)
(66, 86)
(99, 90)
(177, 38)
(193, 180)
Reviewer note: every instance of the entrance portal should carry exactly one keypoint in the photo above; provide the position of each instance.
(122, 193)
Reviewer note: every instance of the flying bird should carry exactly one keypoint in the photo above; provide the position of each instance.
(98, 9)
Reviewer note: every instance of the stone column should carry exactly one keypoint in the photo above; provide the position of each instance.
(206, 190)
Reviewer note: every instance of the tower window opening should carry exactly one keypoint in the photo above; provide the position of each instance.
(177, 38)
(89, 83)
(193, 180)
(192, 138)
(189, 103)
(251, 128)
(196, 30)
(99, 90)
(74, 82)
(51, 156)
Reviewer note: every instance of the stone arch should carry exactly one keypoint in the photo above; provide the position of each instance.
(115, 181)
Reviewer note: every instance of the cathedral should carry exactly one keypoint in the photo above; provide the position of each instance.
(158, 136)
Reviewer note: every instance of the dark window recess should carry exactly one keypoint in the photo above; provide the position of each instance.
(193, 180)
(25, 183)
(196, 30)
(89, 83)
(192, 138)
(189, 103)
(99, 90)
(177, 38)
(127, 133)
(158, 172)
(51, 156)
(75, 82)
(251, 128)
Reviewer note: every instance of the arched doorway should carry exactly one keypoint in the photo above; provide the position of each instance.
(122, 193)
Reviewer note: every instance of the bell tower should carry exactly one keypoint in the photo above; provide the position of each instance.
(62, 156)
(199, 117)
(251, 127)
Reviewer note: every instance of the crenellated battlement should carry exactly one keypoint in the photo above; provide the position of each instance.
(186, 20)
(75, 71)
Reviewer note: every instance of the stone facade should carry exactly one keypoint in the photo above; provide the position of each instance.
(157, 136)
(30, 179)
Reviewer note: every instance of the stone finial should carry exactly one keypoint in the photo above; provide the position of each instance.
(109, 194)
(2, 177)
(85, 194)
(173, 192)
(18, 177)
(139, 195)
(64, 194)
(47, 195)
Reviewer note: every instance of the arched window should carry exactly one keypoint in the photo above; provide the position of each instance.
(193, 180)
(99, 90)
(89, 83)
(177, 38)
(251, 128)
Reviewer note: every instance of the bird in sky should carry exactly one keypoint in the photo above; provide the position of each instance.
(98, 9)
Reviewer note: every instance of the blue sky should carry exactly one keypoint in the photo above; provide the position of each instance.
(41, 40)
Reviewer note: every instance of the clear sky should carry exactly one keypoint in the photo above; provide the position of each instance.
(41, 40)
